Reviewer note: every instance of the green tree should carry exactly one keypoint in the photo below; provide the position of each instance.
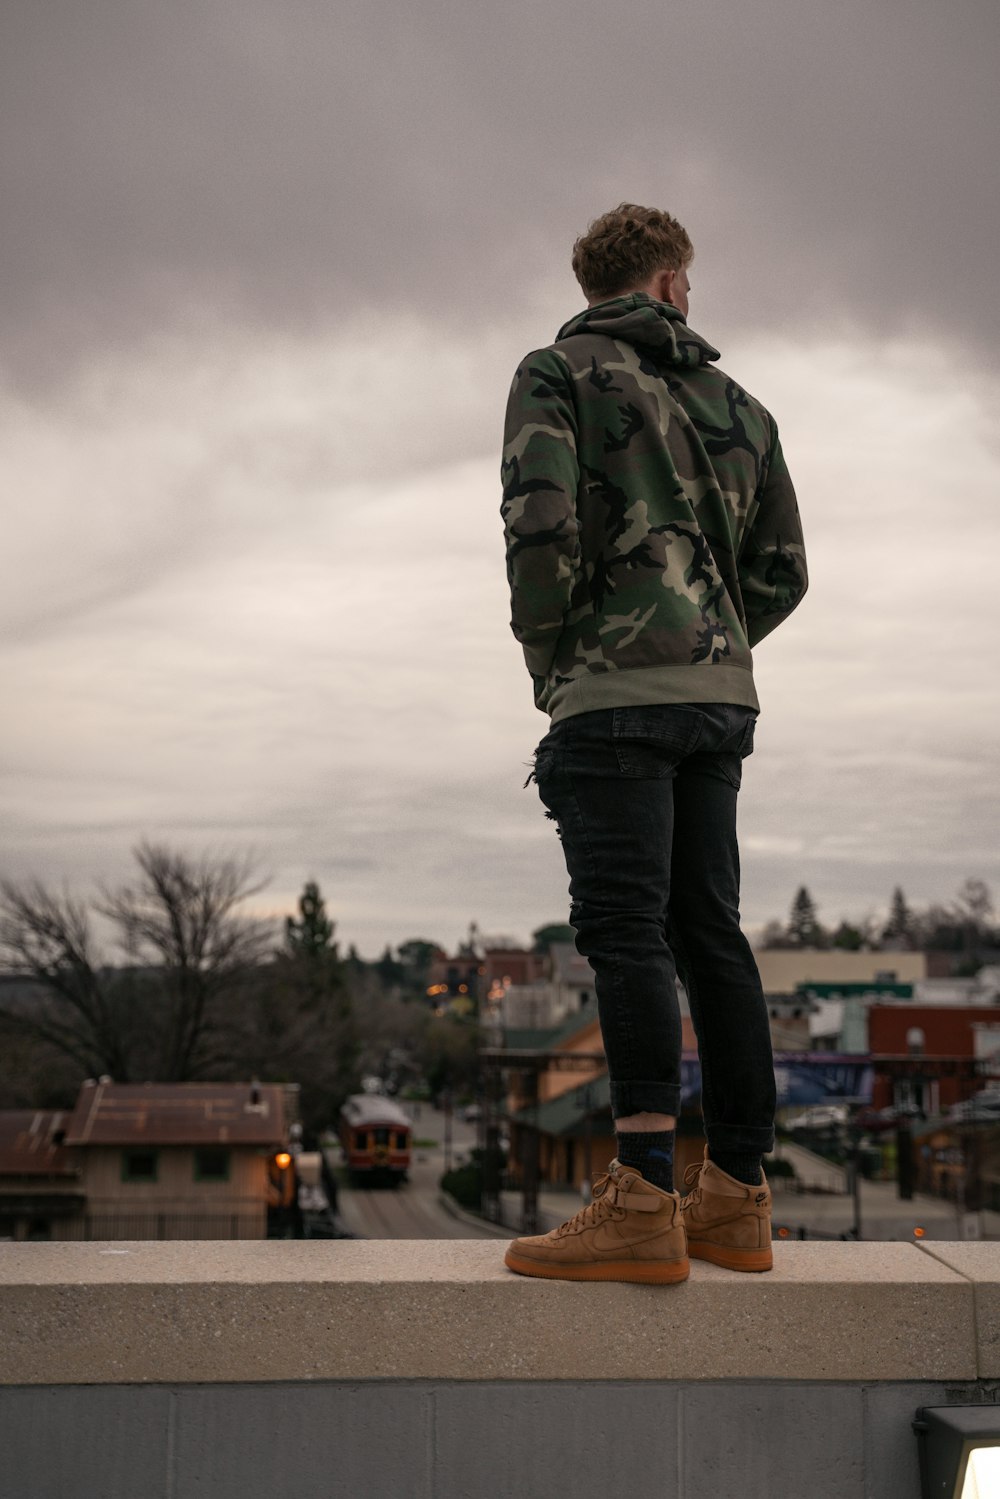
(310, 952)
(556, 931)
(900, 928)
(804, 929)
(354, 964)
(416, 955)
(449, 1054)
(848, 937)
(311, 936)
(304, 1025)
(390, 973)
(774, 936)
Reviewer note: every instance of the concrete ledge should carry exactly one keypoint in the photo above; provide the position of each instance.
(448, 1310)
(980, 1265)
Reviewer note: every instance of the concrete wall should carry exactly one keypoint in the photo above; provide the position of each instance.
(781, 970)
(426, 1371)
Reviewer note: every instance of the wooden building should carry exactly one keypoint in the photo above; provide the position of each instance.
(147, 1161)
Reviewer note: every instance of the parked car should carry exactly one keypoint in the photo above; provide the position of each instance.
(985, 1106)
(877, 1121)
(819, 1116)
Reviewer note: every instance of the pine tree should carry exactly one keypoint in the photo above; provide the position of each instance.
(390, 972)
(311, 937)
(848, 937)
(311, 952)
(900, 926)
(804, 929)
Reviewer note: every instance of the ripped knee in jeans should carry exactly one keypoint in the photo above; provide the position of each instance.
(542, 765)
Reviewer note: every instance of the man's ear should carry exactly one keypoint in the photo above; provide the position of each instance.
(661, 285)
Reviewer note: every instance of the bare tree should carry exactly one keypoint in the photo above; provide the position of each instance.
(47, 940)
(187, 947)
(182, 918)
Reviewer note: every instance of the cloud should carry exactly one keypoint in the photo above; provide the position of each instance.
(220, 165)
(258, 631)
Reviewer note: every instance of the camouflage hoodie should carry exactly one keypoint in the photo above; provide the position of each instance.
(652, 531)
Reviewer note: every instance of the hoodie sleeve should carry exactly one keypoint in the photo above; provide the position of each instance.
(772, 564)
(540, 476)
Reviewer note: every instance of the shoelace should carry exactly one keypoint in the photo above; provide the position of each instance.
(594, 1211)
(691, 1176)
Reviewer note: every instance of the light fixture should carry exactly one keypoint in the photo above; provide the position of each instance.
(959, 1451)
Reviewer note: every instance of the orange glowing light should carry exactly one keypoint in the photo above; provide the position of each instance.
(782, 1233)
(919, 1233)
(282, 1159)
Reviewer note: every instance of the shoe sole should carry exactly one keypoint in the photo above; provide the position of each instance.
(643, 1272)
(732, 1259)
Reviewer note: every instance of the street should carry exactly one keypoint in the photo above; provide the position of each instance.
(413, 1210)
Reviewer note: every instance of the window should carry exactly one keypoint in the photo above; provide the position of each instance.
(139, 1165)
(400, 1139)
(381, 1137)
(211, 1164)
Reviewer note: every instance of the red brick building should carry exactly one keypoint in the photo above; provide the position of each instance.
(933, 1050)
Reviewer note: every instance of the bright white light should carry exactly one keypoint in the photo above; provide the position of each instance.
(982, 1476)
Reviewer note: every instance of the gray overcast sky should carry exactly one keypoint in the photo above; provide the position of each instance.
(268, 270)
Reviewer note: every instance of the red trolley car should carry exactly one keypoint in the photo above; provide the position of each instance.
(375, 1134)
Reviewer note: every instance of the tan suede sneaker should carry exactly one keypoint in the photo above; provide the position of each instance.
(727, 1222)
(630, 1231)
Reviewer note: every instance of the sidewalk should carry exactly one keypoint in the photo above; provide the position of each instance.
(811, 1169)
(884, 1216)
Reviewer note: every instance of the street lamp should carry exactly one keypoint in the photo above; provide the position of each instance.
(959, 1451)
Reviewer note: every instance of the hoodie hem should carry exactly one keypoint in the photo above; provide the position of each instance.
(641, 686)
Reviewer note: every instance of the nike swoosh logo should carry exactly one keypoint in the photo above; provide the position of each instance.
(606, 1239)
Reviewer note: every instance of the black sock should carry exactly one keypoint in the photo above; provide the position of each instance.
(745, 1168)
(651, 1152)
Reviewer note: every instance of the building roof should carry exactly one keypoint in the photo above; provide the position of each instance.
(374, 1108)
(567, 1114)
(31, 1143)
(550, 1038)
(574, 1023)
(109, 1113)
(526, 1038)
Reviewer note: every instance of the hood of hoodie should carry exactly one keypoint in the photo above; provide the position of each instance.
(645, 324)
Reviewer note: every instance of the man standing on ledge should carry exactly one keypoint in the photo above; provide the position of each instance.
(653, 539)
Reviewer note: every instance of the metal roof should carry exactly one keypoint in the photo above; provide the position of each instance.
(567, 1114)
(28, 1146)
(109, 1113)
(552, 1038)
(372, 1109)
(578, 1021)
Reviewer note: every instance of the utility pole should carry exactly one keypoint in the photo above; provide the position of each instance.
(854, 1177)
(529, 1159)
(447, 1129)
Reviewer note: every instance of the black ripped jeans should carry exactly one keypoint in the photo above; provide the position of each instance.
(645, 803)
